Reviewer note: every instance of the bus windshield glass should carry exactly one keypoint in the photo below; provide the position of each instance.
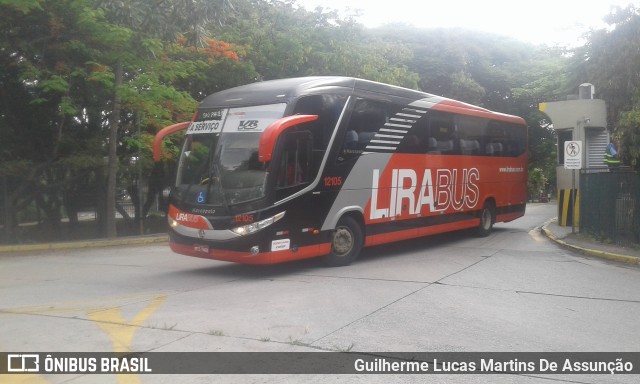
(219, 161)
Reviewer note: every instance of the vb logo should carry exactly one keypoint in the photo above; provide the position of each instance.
(248, 125)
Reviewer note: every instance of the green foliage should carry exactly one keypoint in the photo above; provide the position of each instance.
(628, 135)
(54, 84)
(22, 6)
(15, 167)
(536, 183)
(58, 84)
(283, 40)
(542, 145)
(101, 75)
(67, 107)
(610, 60)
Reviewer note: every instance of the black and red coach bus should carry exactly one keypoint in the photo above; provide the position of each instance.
(322, 166)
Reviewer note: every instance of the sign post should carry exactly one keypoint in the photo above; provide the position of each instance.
(573, 161)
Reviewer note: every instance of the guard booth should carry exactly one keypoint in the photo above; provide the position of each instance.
(578, 119)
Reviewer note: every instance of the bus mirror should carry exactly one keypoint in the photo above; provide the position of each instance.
(273, 131)
(164, 132)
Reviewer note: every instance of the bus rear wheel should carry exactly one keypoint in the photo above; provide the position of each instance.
(346, 243)
(487, 216)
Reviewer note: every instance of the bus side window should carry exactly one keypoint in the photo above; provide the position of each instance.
(417, 139)
(517, 140)
(506, 139)
(442, 128)
(295, 160)
(328, 107)
(470, 132)
(494, 149)
(367, 118)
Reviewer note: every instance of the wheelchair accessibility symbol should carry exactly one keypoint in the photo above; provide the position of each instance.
(202, 197)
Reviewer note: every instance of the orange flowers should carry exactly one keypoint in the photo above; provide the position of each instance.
(219, 48)
(215, 49)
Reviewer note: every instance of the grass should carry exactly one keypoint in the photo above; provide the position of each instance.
(216, 332)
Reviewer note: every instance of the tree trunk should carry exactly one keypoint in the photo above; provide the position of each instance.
(100, 202)
(112, 168)
(155, 188)
(8, 211)
(70, 201)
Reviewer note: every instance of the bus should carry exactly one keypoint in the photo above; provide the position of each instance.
(291, 169)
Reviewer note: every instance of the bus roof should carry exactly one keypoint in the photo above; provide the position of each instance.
(283, 90)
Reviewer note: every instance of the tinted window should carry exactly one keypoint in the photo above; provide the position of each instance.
(328, 108)
(436, 133)
(442, 133)
(295, 163)
(367, 118)
(471, 135)
(505, 139)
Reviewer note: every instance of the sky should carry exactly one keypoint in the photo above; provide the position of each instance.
(550, 22)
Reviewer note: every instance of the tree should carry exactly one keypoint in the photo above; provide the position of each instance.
(62, 89)
(610, 60)
(284, 40)
(48, 50)
(152, 24)
(537, 182)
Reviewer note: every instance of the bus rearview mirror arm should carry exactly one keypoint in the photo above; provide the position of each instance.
(164, 132)
(274, 130)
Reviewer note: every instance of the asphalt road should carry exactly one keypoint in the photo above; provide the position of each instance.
(514, 291)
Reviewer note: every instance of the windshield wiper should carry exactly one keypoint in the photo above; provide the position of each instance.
(218, 181)
(199, 171)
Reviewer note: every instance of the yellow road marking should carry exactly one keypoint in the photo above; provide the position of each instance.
(75, 306)
(111, 320)
(121, 331)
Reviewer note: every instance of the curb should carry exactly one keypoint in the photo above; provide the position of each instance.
(592, 252)
(141, 240)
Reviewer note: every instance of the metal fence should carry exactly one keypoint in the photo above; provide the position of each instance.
(608, 198)
(33, 213)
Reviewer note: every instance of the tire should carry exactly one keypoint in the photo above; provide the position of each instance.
(346, 243)
(487, 219)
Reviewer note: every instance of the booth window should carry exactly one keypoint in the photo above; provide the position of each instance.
(563, 136)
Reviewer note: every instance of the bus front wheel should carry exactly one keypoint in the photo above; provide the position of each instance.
(486, 220)
(346, 243)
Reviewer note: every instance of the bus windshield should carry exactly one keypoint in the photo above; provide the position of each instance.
(219, 161)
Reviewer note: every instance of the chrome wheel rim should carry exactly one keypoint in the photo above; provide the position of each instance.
(342, 241)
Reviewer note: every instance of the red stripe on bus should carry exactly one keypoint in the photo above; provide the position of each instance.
(391, 237)
(509, 216)
(202, 251)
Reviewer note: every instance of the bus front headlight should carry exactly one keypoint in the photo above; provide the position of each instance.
(254, 227)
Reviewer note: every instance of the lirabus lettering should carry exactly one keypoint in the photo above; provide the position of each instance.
(412, 191)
